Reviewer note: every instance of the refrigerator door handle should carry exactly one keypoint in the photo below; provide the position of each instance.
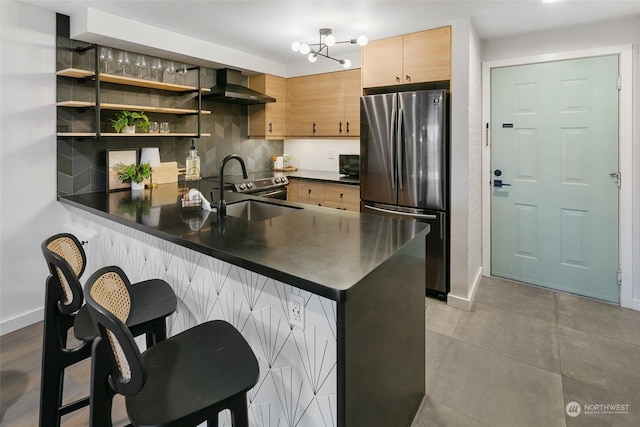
(392, 145)
(413, 215)
(399, 148)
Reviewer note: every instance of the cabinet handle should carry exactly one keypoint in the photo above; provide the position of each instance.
(341, 195)
(270, 127)
(407, 78)
(309, 191)
(347, 127)
(314, 127)
(397, 79)
(340, 128)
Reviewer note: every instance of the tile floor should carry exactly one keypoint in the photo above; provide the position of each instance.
(515, 360)
(523, 353)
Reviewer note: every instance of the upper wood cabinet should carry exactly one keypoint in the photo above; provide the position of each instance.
(268, 120)
(324, 105)
(419, 57)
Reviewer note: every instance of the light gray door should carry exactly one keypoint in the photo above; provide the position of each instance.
(554, 220)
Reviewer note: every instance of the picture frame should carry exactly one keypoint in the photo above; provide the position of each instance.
(127, 157)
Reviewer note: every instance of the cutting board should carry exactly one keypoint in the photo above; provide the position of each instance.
(166, 173)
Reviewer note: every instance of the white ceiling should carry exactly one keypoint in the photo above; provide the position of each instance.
(266, 28)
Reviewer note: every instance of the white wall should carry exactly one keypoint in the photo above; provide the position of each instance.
(615, 33)
(319, 154)
(29, 212)
(466, 208)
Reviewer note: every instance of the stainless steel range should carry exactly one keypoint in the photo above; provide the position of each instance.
(274, 187)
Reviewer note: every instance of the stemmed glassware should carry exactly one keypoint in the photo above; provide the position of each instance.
(106, 56)
(123, 60)
(141, 64)
(170, 69)
(182, 71)
(156, 68)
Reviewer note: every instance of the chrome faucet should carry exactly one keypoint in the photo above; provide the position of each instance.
(222, 206)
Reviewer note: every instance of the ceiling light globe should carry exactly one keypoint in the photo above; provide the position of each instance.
(313, 57)
(304, 49)
(330, 40)
(363, 40)
(346, 63)
(295, 46)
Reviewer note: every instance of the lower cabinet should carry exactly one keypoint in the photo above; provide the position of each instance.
(337, 196)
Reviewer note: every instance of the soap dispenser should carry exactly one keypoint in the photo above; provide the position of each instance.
(193, 163)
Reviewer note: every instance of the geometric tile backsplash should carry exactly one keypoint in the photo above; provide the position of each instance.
(298, 367)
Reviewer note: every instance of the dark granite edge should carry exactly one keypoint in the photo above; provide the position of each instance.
(332, 177)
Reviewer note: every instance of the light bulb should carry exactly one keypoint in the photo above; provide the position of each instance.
(346, 63)
(363, 40)
(295, 46)
(304, 48)
(313, 57)
(330, 40)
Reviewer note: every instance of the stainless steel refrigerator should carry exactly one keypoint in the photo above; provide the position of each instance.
(404, 168)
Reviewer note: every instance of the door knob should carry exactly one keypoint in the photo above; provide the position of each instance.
(497, 183)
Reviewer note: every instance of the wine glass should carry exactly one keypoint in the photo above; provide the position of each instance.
(156, 68)
(170, 69)
(182, 71)
(141, 64)
(106, 56)
(123, 60)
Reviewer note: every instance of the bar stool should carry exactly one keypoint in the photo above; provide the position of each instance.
(184, 380)
(154, 301)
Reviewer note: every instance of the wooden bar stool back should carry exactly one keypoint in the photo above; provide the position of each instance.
(64, 308)
(194, 374)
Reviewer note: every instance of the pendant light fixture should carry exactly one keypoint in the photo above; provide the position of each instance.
(313, 50)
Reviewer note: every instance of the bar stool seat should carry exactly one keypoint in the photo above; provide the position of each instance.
(64, 309)
(184, 380)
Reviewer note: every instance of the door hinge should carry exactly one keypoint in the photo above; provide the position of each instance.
(619, 278)
(619, 82)
(618, 178)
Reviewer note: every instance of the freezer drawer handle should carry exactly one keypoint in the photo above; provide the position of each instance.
(423, 216)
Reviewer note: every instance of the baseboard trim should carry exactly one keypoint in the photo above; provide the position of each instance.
(19, 322)
(465, 303)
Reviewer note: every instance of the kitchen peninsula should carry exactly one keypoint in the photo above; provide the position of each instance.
(357, 359)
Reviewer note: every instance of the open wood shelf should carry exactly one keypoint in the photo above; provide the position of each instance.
(138, 134)
(144, 108)
(129, 81)
(149, 109)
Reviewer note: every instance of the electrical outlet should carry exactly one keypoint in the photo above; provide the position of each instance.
(296, 311)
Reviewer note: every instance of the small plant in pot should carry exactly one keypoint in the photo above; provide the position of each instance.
(127, 121)
(135, 174)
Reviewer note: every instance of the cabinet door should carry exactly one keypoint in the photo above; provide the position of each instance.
(352, 90)
(311, 192)
(382, 62)
(292, 190)
(268, 120)
(346, 197)
(427, 56)
(329, 104)
(301, 93)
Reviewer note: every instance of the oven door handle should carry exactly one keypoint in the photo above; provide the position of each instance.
(272, 193)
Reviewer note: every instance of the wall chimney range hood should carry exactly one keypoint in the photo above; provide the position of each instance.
(229, 89)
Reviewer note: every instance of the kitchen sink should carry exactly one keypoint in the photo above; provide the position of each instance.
(253, 210)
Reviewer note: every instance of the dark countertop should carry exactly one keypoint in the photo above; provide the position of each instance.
(321, 250)
(323, 176)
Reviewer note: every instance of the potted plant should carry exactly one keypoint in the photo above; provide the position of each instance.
(128, 120)
(135, 174)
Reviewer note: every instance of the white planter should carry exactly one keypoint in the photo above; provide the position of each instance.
(129, 129)
(137, 186)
